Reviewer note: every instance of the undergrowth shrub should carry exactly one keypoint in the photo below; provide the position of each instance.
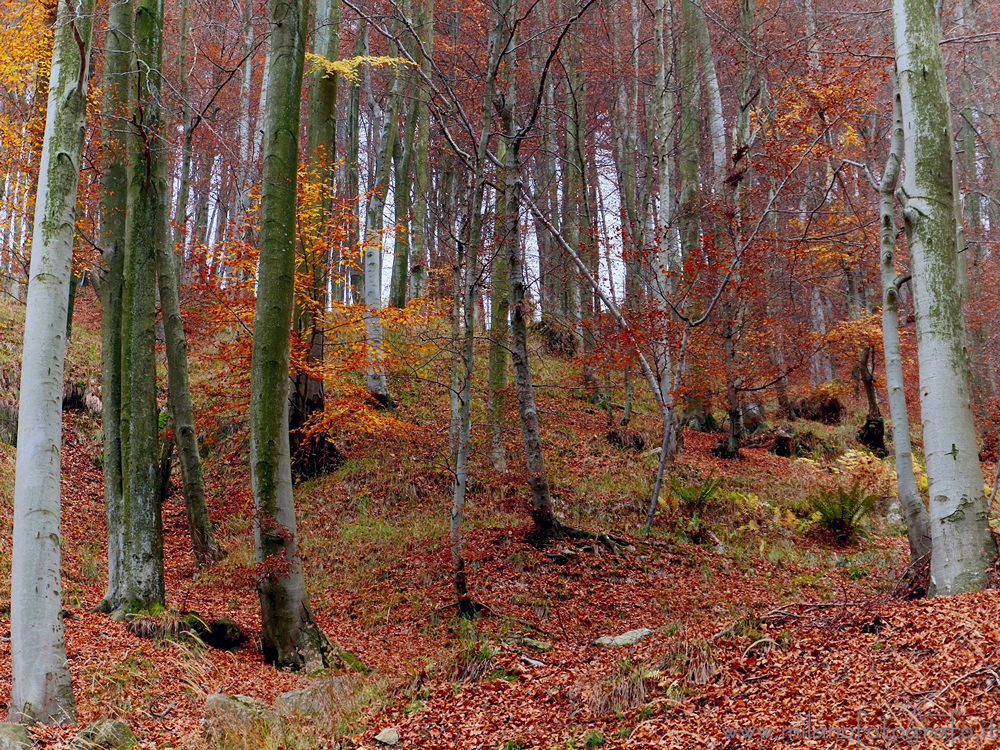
(839, 511)
(695, 498)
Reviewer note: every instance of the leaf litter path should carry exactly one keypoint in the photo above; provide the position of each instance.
(727, 663)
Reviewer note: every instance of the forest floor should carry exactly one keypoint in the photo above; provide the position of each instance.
(767, 635)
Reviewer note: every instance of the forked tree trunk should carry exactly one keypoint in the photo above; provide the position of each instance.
(289, 635)
(918, 530)
(41, 689)
(963, 545)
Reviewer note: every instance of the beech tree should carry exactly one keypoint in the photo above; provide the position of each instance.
(41, 690)
(918, 530)
(117, 77)
(289, 634)
(145, 229)
(962, 542)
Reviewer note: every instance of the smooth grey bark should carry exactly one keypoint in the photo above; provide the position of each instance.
(918, 531)
(377, 384)
(690, 126)
(118, 72)
(963, 545)
(419, 258)
(402, 160)
(41, 690)
(352, 181)
(289, 635)
(246, 153)
(625, 146)
(187, 144)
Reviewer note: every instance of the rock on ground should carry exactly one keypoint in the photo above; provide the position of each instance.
(105, 734)
(236, 722)
(14, 737)
(387, 737)
(625, 639)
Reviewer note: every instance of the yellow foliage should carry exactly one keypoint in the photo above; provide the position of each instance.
(348, 67)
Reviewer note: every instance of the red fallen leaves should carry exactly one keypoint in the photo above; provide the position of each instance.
(926, 662)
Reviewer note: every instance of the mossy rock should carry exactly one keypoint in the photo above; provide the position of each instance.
(236, 722)
(105, 734)
(14, 737)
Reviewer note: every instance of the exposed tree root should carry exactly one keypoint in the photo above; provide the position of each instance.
(557, 529)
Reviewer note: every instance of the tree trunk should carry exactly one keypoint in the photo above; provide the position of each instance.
(147, 229)
(402, 157)
(41, 689)
(289, 635)
(499, 331)
(113, 204)
(547, 525)
(918, 529)
(690, 127)
(204, 546)
(352, 183)
(187, 145)
(419, 259)
(377, 385)
(469, 306)
(307, 397)
(963, 545)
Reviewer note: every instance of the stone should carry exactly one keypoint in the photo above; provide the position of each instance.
(104, 734)
(542, 646)
(224, 633)
(387, 736)
(236, 722)
(324, 699)
(14, 737)
(625, 639)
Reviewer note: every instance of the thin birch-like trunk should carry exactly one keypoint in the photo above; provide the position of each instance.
(918, 530)
(468, 324)
(204, 546)
(419, 259)
(377, 384)
(499, 329)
